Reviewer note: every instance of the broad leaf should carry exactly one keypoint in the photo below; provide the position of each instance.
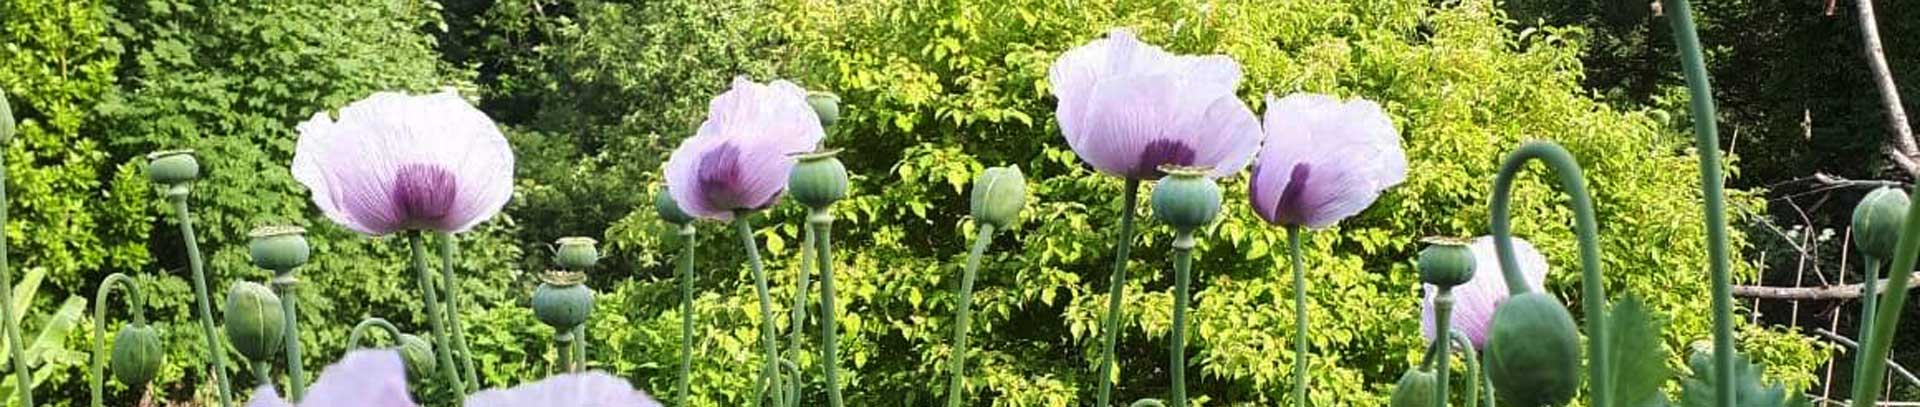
(1749, 389)
(1639, 362)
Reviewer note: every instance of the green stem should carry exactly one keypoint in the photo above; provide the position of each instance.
(1299, 316)
(1117, 291)
(263, 373)
(20, 373)
(1592, 285)
(1472, 359)
(215, 351)
(99, 356)
(1486, 384)
(1869, 293)
(1707, 142)
(285, 284)
(686, 312)
(804, 283)
(359, 331)
(580, 346)
(434, 317)
(1442, 317)
(822, 222)
(964, 317)
(1886, 316)
(448, 276)
(1177, 340)
(564, 343)
(769, 350)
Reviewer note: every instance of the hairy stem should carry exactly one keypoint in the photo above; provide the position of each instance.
(1177, 340)
(441, 352)
(769, 350)
(822, 222)
(1117, 291)
(1299, 316)
(215, 352)
(285, 284)
(448, 276)
(964, 316)
(1442, 330)
(686, 312)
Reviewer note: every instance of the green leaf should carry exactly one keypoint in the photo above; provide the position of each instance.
(1639, 362)
(1749, 389)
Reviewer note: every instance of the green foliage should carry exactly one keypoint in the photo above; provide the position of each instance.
(1749, 389)
(46, 349)
(1639, 362)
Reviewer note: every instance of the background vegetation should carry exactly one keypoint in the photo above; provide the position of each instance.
(594, 94)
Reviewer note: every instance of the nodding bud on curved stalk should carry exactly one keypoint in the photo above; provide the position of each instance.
(826, 105)
(1533, 353)
(254, 322)
(999, 194)
(172, 167)
(136, 355)
(561, 301)
(669, 211)
(818, 179)
(1446, 262)
(279, 248)
(417, 353)
(1186, 198)
(6, 119)
(1877, 220)
(576, 253)
(1416, 389)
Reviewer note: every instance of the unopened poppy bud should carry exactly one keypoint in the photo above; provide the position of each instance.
(172, 167)
(1446, 262)
(1416, 389)
(576, 253)
(417, 353)
(136, 355)
(668, 209)
(999, 194)
(561, 301)
(6, 119)
(1186, 198)
(279, 248)
(1877, 221)
(818, 180)
(826, 105)
(255, 325)
(1533, 353)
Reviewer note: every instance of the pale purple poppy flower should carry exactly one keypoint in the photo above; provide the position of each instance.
(1324, 160)
(743, 153)
(1474, 302)
(590, 389)
(396, 162)
(365, 378)
(1127, 108)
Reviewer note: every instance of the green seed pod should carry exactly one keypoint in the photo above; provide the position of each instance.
(1186, 198)
(576, 253)
(561, 301)
(1877, 221)
(6, 119)
(1417, 388)
(254, 323)
(418, 355)
(172, 167)
(999, 194)
(818, 180)
(136, 355)
(279, 248)
(1533, 351)
(1446, 262)
(826, 105)
(668, 209)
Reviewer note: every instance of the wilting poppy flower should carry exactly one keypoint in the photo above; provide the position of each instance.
(743, 153)
(590, 389)
(1128, 108)
(1324, 160)
(365, 378)
(395, 162)
(1474, 302)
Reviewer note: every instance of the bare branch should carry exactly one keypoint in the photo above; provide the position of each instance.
(1902, 146)
(1832, 292)
(1851, 344)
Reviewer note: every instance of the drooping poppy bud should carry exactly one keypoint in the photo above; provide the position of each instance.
(279, 248)
(1877, 221)
(1533, 353)
(1417, 388)
(136, 355)
(576, 253)
(172, 167)
(1186, 198)
(561, 301)
(826, 105)
(999, 194)
(418, 355)
(255, 325)
(668, 209)
(818, 180)
(1446, 262)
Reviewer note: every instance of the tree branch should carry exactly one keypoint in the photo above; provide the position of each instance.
(1851, 344)
(1832, 292)
(1902, 147)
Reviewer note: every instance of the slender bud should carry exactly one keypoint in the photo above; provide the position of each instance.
(279, 248)
(172, 167)
(669, 210)
(7, 128)
(561, 301)
(137, 355)
(576, 253)
(1446, 262)
(818, 180)
(1417, 388)
(826, 105)
(1533, 353)
(1877, 220)
(254, 322)
(1186, 198)
(417, 353)
(999, 194)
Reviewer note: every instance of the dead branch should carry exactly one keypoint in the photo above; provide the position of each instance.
(1832, 292)
(1901, 147)
(1851, 344)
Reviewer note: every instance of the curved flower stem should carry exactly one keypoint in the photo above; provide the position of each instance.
(1177, 340)
(135, 301)
(1869, 293)
(804, 283)
(686, 312)
(448, 276)
(769, 350)
(822, 222)
(359, 331)
(1707, 141)
(425, 276)
(1472, 394)
(1299, 316)
(1117, 291)
(964, 316)
(1593, 295)
(1886, 317)
(284, 284)
(1442, 339)
(215, 352)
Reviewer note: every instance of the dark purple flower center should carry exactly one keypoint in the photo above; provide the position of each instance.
(722, 182)
(1291, 197)
(425, 194)
(1162, 152)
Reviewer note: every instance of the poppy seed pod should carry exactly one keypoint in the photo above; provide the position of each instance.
(561, 301)
(818, 180)
(136, 355)
(1877, 221)
(1416, 389)
(254, 322)
(999, 194)
(172, 167)
(417, 354)
(6, 119)
(279, 248)
(826, 105)
(576, 253)
(1533, 353)
(1446, 262)
(1186, 198)
(669, 210)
